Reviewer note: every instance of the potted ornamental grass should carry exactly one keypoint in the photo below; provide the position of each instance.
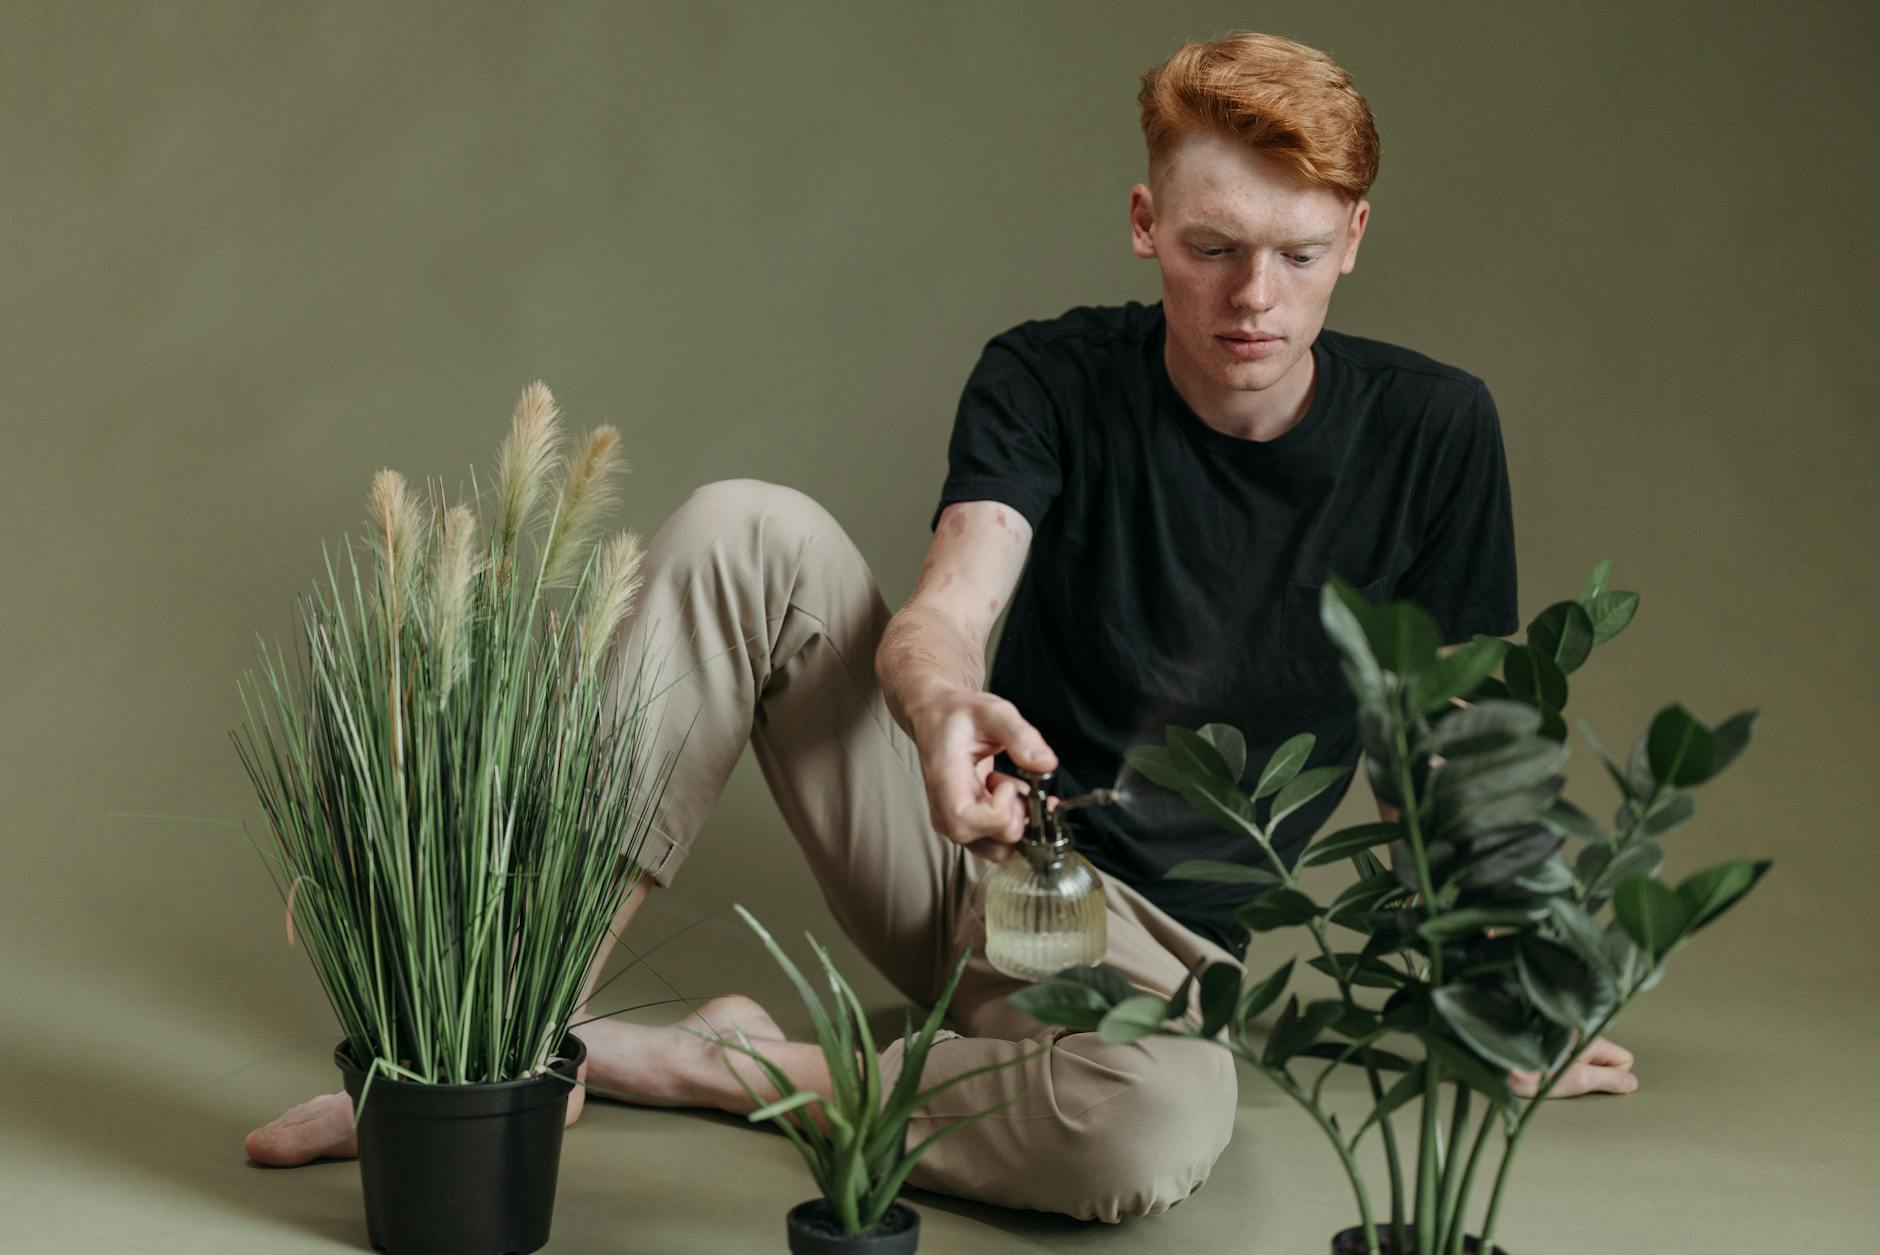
(854, 1139)
(1492, 927)
(453, 782)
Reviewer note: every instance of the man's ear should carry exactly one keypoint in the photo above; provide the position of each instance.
(1356, 230)
(1141, 220)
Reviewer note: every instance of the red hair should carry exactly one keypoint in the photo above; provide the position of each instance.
(1285, 100)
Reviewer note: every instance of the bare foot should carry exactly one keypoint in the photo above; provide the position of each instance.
(319, 1127)
(659, 1066)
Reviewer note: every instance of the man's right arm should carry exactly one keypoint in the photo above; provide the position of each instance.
(931, 667)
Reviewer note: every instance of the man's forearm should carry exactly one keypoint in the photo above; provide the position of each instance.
(923, 653)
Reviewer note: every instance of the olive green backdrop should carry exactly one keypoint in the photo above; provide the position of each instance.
(253, 252)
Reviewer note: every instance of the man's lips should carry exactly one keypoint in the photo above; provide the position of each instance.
(1244, 346)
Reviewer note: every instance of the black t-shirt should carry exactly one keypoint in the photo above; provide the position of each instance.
(1175, 571)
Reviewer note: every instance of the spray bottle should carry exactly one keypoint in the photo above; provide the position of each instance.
(1045, 909)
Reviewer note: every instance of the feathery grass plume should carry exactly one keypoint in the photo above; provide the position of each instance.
(400, 535)
(455, 568)
(610, 599)
(587, 492)
(523, 465)
(450, 867)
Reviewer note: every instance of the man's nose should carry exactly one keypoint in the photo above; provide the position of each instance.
(1253, 287)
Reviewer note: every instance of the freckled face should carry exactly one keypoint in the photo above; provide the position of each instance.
(1245, 246)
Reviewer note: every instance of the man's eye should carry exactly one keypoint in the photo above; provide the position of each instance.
(1304, 260)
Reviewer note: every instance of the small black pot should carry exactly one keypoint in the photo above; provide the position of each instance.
(814, 1231)
(461, 1169)
(1351, 1241)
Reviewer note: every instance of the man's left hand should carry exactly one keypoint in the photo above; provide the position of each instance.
(1604, 1066)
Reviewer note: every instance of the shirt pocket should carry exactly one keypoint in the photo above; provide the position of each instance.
(1308, 661)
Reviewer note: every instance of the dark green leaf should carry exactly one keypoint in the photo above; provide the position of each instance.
(1404, 638)
(1639, 780)
(1636, 857)
(1133, 1018)
(1458, 674)
(1612, 767)
(1361, 970)
(1709, 893)
(1383, 1060)
(1491, 1025)
(1484, 725)
(1502, 769)
(1581, 934)
(1347, 617)
(1306, 786)
(1156, 765)
(1305, 1027)
(1552, 877)
(1564, 633)
(1534, 677)
(1463, 816)
(1596, 582)
(1178, 1001)
(1230, 745)
(1732, 735)
(1681, 749)
(1276, 909)
(1654, 916)
(1282, 1024)
(1219, 803)
(1408, 1086)
(1284, 764)
(1676, 809)
(1061, 1002)
(1509, 859)
(1262, 995)
(1561, 985)
(1469, 1070)
(1348, 841)
(1569, 820)
(1611, 612)
(1363, 896)
(1220, 988)
(1221, 873)
(1196, 755)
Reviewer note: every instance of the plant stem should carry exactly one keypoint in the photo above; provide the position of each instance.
(1456, 1219)
(1514, 1138)
(1377, 1094)
(1427, 1154)
(1280, 1078)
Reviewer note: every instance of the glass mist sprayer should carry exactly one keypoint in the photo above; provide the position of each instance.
(1045, 908)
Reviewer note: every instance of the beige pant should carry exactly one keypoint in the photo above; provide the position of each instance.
(1100, 1131)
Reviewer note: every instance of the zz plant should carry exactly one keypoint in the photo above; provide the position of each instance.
(1480, 926)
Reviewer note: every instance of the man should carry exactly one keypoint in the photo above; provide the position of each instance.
(1182, 478)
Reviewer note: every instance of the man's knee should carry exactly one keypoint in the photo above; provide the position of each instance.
(1149, 1147)
(734, 507)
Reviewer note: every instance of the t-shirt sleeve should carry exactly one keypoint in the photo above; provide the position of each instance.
(1464, 573)
(1007, 442)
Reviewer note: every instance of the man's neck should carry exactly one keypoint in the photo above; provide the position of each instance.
(1262, 415)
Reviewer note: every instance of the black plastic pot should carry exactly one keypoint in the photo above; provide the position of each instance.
(814, 1231)
(1351, 1241)
(461, 1169)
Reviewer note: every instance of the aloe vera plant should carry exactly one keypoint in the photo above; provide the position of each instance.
(860, 1161)
(1483, 934)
